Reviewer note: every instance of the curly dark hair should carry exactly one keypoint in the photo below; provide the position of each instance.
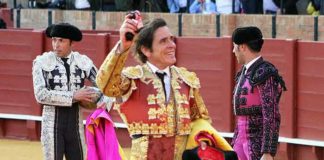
(145, 38)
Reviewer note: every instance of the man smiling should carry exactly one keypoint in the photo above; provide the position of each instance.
(159, 100)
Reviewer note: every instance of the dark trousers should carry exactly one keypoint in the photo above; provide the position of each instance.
(252, 6)
(67, 136)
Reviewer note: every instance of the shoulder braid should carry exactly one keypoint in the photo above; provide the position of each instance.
(263, 71)
(188, 77)
(82, 61)
(133, 72)
(47, 61)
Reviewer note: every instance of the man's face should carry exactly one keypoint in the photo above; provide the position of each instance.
(163, 50)
(61, 46)
(237, 50)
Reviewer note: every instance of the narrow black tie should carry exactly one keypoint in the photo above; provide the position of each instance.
(241, 76)
(161, 76)
(237, 87)
(67, 68)
(243, 71)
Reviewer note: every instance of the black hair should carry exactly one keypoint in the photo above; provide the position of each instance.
(145, 38)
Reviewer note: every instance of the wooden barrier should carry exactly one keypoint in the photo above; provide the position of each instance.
(310, 91)
(284, 58)
(18, 49)
(112, 32)
(211, 59)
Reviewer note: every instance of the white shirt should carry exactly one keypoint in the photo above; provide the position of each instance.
(182, 3)
(225, 6)
(269, 5)
(247, 66)
(81, 4)
(167, 78)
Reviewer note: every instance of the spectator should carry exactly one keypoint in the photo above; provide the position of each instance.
(82, 4)
(226, 6)
(312, 8)
(269, 7)
(59, 4)
(42, 4)
(3, 5)
(109, 5)
(142, 5)
(319, 5)
(203, 6)
(62, 4)
(252, 6)
(3, 24)
(178, 6)
(289, 6)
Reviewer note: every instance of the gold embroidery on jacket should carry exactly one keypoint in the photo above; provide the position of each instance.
(109, 78)
(189, 78)
(139, 148)
(174, 116)
(180, 146)
(151, 99)
(143, 128)
(133, 72)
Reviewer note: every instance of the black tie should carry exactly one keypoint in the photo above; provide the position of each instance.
(243, 71)
(241, 76)
(161, 76)
(237, 87)
(240, 80)
(67, 68)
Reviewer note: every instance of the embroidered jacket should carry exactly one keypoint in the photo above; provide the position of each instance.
(51, 85)
(257, 98)
(144, 108)
(54, 91)
(139, 87)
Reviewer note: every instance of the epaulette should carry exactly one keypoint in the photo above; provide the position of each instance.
(188, 77)
(47, 61)
(82, 61)
(263, 71)
(133, 72)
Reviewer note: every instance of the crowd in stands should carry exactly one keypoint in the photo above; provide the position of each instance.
(311, 7)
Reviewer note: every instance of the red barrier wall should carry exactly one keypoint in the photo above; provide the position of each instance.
(284, 58)
(310, 93)
(211, 59)
(112, 32)
(5, 14)
(18, 49)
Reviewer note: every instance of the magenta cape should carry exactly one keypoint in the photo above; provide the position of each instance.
(102, 143)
